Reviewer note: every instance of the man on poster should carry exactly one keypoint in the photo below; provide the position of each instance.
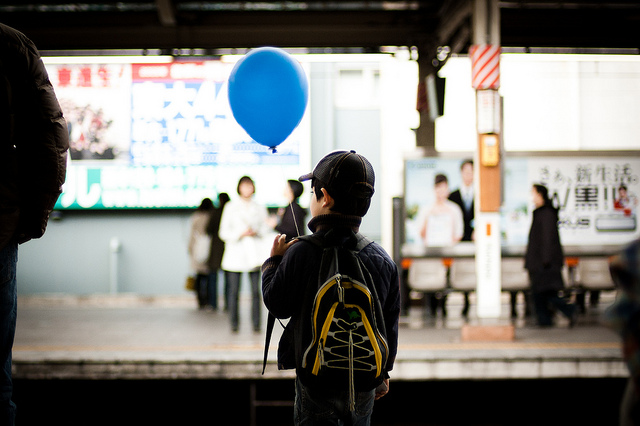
(463, 197)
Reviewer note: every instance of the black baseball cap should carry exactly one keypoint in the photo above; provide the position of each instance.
(344, 172)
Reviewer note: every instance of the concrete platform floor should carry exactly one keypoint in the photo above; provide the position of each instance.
(165, 337)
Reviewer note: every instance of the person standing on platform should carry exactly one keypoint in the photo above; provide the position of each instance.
(544, 260)
(464, 197)
(200, 250)
(242, 228)
(292, 217)
(33, 157)
(343, 184)
(216, 251)
(624, 317)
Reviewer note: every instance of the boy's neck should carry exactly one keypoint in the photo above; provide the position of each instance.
(334, 220)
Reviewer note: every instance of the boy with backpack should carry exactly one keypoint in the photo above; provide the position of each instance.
(341, 293)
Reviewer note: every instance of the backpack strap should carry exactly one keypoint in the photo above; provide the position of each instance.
(362, 242)
(271, 320)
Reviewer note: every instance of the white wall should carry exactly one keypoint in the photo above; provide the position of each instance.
(551, 103)
(75, 255)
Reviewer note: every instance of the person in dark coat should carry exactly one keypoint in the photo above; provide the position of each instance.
(544, 260)
(34, 140)
(624, 317)
(216, 251)
(200, 250)
(293, 216)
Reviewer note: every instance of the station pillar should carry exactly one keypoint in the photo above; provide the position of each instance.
(485, 60)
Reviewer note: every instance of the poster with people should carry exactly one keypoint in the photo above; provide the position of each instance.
(161, 135)
(439, 201)
(95, 101)
(598, 200)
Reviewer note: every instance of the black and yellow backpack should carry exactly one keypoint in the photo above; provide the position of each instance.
(348, 349)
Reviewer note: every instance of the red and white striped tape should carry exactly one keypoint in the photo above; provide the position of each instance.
(485, 66)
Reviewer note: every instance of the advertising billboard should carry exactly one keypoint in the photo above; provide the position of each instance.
(162, 135)
(597, 198)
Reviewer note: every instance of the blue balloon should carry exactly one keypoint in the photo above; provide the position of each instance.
(268, 94)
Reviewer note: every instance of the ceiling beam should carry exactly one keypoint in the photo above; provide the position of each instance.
(166, 13)
(226, 30)
(163, 24)
(454, 16)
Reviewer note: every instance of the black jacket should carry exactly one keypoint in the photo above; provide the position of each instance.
(217, 245)
(285, 278)
(544, 258)
(467, 215)
(33, 140)
(292, 222)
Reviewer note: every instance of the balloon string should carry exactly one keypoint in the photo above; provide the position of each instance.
(295, 219)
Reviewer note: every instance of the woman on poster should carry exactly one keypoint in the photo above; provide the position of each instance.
(441, 223)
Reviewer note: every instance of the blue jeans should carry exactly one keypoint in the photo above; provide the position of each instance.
(233, 282)
(8, 313)
(313, 408)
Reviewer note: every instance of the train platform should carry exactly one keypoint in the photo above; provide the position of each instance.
(104, 337)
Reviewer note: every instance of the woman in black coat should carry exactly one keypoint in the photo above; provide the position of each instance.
(216, 251)
(544, 260)
(292, 218)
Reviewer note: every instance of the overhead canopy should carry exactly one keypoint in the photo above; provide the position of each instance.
(172, 25)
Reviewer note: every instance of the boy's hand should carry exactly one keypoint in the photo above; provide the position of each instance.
(280, 245)
(382, 390)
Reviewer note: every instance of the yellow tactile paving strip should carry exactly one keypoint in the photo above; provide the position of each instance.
(257, 347)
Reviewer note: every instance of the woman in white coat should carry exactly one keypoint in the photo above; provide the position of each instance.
(242, 228)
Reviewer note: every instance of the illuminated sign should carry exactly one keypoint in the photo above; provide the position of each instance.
(161, 135)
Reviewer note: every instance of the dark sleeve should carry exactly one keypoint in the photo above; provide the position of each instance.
(282, 281)
(41, 140)
(391, 311)
(269, 284)
(385, 274)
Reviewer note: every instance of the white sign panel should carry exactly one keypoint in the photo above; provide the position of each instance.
(597, 198)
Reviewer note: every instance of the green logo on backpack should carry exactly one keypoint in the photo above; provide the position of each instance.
(354, 315)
